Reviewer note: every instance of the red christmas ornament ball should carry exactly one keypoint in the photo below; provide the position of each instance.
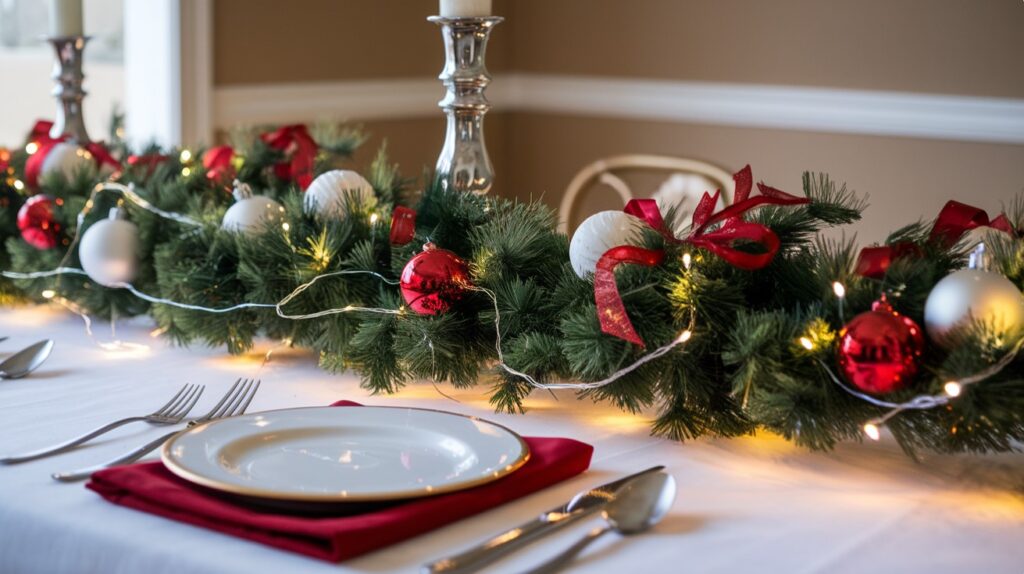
(37, 223)
(879, 350)
(433, 280)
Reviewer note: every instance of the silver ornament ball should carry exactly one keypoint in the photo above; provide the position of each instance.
(251, 214)
(969, 296)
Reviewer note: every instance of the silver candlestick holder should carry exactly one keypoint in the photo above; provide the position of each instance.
(67, 73)
(464, 164)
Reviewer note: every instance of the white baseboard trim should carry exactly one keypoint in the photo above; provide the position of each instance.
(931, 116)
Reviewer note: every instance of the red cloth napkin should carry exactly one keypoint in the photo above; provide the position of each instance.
(150, 487)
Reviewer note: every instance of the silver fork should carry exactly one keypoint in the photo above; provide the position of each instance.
(173, 412)
(234, 402)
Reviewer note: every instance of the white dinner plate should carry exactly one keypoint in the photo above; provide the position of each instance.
(344, 454)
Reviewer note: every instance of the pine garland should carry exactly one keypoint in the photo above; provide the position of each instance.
(762, 345)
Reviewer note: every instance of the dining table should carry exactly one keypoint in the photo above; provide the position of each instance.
(750, 504)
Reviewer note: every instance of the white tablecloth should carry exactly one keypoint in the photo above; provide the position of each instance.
(744, 505)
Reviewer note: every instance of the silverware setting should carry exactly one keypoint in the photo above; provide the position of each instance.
(641, 504)
(172, 412)
(233, 403)
(26, 360)
(584, 504)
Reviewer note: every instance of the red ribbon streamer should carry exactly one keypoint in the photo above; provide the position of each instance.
(719, 241)
(102, 156)
(217, 161)
(40, 135)
(149, 161)
(403, 225)
(952, 223)
(610, 310)
(300, 151)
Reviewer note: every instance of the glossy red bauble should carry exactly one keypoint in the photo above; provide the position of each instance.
(433, 280)
(879, 350)
(39, 228)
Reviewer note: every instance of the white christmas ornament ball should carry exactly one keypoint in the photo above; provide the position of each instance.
(251, 213)
(108, 250)
(973, 295)
(331, 191)
(599, 233)
(69, 160)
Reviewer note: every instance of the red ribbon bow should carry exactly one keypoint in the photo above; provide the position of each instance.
(40, 136)
(300, 151)
(218, 163)
(40, 131)
(720, 241)
(953, 222)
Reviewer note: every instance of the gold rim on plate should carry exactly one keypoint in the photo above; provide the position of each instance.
(171, 464)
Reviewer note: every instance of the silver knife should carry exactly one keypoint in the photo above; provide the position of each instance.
(584, 504)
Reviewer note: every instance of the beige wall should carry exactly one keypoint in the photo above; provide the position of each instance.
(929, 46)
(947, 46)
(278, 41)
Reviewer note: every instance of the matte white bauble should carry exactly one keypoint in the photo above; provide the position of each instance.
(69, 160)
(984, 235)
(599, 233)
(683, 191)
(108, 250)
(332, 191)
(973, 295)
(251, 213)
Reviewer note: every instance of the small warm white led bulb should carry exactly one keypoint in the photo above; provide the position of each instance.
(48, 294)
(687, 260)
(684, 336)
(953, 389)
(31, 148)
(186, 156)
(807, 343)
(838, 289)
(871, 429)
(374, 218)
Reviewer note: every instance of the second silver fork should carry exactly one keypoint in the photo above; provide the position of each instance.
(234, 402)
(173, 412)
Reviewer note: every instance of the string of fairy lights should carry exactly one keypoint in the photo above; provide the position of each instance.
(872, 428)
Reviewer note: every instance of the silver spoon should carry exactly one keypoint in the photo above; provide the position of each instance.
(26, 360)
(641, 504)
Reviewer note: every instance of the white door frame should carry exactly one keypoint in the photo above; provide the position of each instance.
(168, 71)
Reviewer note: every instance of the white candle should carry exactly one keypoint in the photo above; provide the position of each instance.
(465, 8)
(65, 18)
